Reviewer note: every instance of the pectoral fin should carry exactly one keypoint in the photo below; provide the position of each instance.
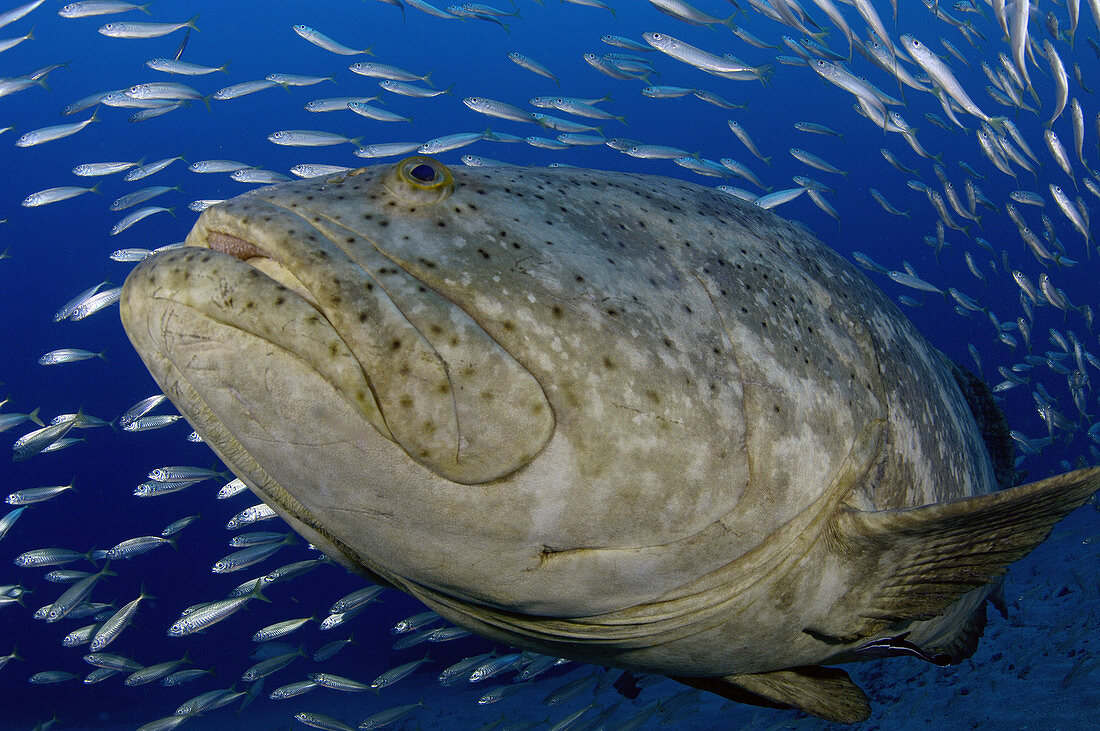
(916, 562)
(823, 692)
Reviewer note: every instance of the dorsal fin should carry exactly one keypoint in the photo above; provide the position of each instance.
(991, 423)
(823, 692)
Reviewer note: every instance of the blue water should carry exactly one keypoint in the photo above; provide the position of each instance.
(58, 250)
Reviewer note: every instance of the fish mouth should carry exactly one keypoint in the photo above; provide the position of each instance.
(295, 273)
(256, 257)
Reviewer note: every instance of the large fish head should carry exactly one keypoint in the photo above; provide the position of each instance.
(325, 371)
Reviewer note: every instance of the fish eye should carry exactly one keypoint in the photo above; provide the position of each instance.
(421, 179)
(423, 173)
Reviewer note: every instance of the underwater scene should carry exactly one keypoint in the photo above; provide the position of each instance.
(946, 149)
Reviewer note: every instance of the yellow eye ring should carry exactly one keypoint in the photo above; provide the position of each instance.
(421, 179)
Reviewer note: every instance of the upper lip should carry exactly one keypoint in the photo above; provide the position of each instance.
(233, 245)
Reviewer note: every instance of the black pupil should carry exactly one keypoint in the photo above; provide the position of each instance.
(423, 173)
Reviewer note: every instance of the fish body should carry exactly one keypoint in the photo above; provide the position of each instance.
(320, 40)
(145, 30)
(469, 345)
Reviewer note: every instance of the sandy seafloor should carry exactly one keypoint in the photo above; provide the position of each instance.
(1038, 669)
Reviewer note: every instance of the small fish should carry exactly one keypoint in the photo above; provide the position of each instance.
(145, 423)
(495, 666)
(144, 171)
(140, 196)
(292, 690)
(212, 613)
(911, 280)
(217, 166)
(90, 8)
(898, 645)
(356, 599)
(7, 522)
(321, 721)
(385, 71)
(771, 200)
(177, 525)
(393, 675)
(92, 169)
(450, 142)
(320, 40)
(746, 140)
(494, 108)
(138, 215)
(886, 205)
(116, 623)
(271, 665)
(533, 66)
(145, 30)
(816, 162)
(55, 195)
(31, 495)
(288, 80)
(137, 546)
(390, 715)
(337, 103)
(239, 90)
(183, 68)
(55, 132)
(817, 129)
(282, 629)
(31, 444)
(154, 673)
(337, 682)
(405, 89)
(246, 557)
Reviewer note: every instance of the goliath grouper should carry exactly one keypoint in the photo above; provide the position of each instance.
(617, 418)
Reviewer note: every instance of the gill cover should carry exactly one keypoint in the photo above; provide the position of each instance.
(451, 396)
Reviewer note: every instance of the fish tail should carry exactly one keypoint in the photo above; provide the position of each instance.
(33, 416)
(30, 34)
(191, 23)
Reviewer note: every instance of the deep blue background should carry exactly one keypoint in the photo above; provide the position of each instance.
(59, 250)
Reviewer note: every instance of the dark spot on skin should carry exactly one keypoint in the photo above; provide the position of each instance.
(607, 362)
(333, 349)
(509, 326)
(405, 402)
(280, 300)
(395, 345)
(555, 311)
(363, 316)
(370, 286)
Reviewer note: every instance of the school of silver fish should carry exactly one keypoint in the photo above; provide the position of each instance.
(1032, 152)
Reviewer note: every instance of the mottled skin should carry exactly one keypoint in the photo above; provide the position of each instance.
(607, 416)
